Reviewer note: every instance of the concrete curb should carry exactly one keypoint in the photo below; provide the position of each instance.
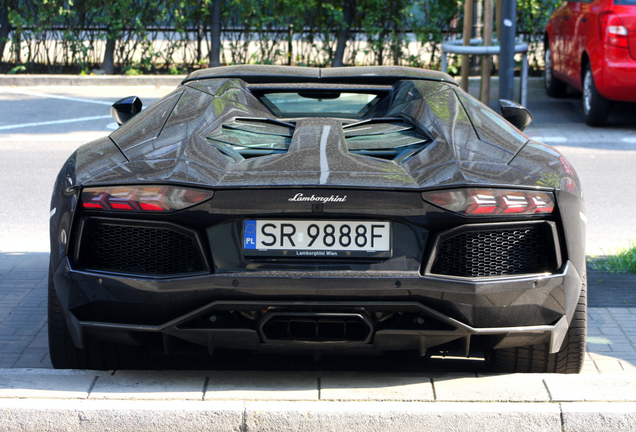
(91, 80)
(159, 80)
(599, 417)
(145, 416)
(48, 400)
(400, 416)
(124, 416)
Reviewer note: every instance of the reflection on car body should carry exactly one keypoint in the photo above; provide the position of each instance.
(230, 218)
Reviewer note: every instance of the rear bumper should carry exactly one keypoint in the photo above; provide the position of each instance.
(616, 78)
(503, 312)
(378, 341)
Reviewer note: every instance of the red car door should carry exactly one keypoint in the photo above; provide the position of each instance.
(585, 33)
(571, 22)
(556, 37)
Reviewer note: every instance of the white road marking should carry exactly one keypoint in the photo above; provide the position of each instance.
(112, 126)
(25, 245)
(324, 165)
(81, 119)
(549, 139)
(46, 95)
(629, 140)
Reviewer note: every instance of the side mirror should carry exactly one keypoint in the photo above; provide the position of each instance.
(516, 114)
(124, 109)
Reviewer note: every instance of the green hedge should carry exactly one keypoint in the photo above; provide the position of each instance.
(160, 36)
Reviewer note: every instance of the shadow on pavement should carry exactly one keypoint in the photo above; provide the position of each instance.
(24, 342)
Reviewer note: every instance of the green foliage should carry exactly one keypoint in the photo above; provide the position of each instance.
(438, 18)
(272, 27)
(533, 16)
(384, 25)
(130, 70)
(154, 36)
(623, 260)
(17, 69)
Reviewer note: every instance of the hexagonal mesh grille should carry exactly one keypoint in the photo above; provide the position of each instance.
(493, 252)
(140, 250)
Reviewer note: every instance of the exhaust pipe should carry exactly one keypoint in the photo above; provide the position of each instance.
(317, 327)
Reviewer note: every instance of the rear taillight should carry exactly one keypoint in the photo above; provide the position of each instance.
(613, 31)
(142, 198)
(489, 202)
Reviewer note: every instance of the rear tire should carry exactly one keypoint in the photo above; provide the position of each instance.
(537, 358)
(96, 354)
(553, 86)
(595, 107)
(62, 350)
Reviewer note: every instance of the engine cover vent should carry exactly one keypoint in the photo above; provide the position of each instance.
(245, 138)
(385, 138)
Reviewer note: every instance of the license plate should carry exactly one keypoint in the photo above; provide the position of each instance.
(317, 239)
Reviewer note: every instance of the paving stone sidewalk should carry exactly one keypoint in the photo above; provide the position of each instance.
(23, 310)
(314, 386)
(611, 345)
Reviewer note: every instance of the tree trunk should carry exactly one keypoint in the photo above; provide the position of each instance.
(215, 30)
(290, 45)
(397, 47)
(17, 42)
(380, 47)
(4, 31)
(199, 42)
(468, 22)
(348, 6)
(199, 33)
(108, 65)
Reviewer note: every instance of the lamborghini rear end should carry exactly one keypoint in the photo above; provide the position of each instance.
(366, 231)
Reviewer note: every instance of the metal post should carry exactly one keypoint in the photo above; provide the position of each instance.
(507, 55)
(486, 62)
(468, 22)
(498, 18)
(215, 34)
(478, 26)
(524, 80)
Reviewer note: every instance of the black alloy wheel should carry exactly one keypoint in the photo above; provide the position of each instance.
(595, 107)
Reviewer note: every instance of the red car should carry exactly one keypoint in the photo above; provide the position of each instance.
(591, 45)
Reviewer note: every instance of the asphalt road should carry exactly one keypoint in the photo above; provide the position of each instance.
(604, 158)
(39, 129)
(41, 126)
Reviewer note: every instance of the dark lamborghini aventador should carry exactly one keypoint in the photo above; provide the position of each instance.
(343, 211)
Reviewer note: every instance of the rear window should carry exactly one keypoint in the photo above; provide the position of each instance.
(320, 103)
(625, 2)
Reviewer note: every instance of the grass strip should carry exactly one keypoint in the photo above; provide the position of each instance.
(623, 260)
